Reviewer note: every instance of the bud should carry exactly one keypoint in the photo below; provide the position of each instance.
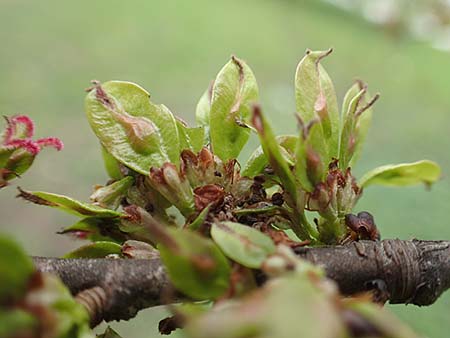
(111, 195)
(173, 186)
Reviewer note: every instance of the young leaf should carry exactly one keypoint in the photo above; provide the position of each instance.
(112, 166)
(357, 116)
(190, 138)
(67, 204)
(243, 244)
(110, 196)
(96, 250)
(258, 160)
(347, 140)
(273, 153)
(195, 265)
(426, 172)
(271, 149)
(96, 229)
(316, 98)
(203, 108)
(234, 90)
(135, 131)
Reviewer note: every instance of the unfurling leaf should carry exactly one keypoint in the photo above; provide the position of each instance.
(137, 132)
(426, 172)
(356, 119)
(110, 196)
(96, 229)
(174, 186)
(96, 250)
(242, 243)
(195, 265)
(273, 152)
(202, 113)
(258, 160)
(190, 138)
(233, 92)
(316, 99)
(67, 204)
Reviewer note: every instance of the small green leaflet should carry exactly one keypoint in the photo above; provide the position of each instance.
(273, 152)
(190, 138)
(316, 98)
(258, 160)
(110, 195)
(426, 172)
(234, 90)
(137, 132)
(243, 244)
(95, 250)
(67, 204)
(96, 229)
(195, 265)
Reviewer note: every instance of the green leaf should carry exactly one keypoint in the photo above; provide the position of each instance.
(316, 98)
(67, 204)
(271, 149)
(258, 160)
(190, 138)
(15, 269)
(111, 195)
(356, 120)
(96, 229)
(195, 265)
(95, 250)
(199, 220)
(273, 152)
(243, 244)
(112, 166)
(18, 163)
(234, 90)
(290, 306)
(70, 318)
(203, 108)
(135, 131)
(13, 322)
(426, 172)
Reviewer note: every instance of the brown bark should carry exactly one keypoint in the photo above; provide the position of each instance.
(415, 272)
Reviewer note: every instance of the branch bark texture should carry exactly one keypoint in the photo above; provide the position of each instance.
(415, 272)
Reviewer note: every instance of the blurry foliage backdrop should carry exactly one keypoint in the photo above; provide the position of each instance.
(50, 50)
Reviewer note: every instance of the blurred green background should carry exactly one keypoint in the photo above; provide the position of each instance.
(50, 50)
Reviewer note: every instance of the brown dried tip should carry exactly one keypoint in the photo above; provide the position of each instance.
(257, 121)
(33, 198)
(368, 105)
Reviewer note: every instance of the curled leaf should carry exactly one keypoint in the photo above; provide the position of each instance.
(234, 91)
(426, 172)
(137, 132)
(67, 204)
(316, 99)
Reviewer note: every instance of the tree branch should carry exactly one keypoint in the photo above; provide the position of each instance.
(415, 272)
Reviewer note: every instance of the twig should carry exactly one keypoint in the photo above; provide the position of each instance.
(415, 272)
